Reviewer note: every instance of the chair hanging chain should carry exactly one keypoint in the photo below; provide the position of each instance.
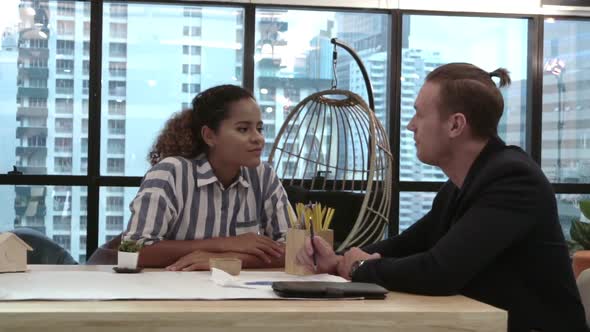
(334, 72)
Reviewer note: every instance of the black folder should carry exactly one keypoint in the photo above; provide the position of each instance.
(323, 289)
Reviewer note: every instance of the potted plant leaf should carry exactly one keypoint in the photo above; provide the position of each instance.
(128, 254)
(580, 233)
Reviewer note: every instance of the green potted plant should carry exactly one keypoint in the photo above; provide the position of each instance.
(128, 254)
(580, 233)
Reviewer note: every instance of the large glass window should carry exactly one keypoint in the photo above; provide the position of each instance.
(200, 49)
(45, 84)
(566, 101)
(64, 105)
(293, 59)
(50, 210)
(568, 207)
(412, 207)
(430, 41)
(40, 95)
(114, 211)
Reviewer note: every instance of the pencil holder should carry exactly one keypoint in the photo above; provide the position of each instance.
(295, 242)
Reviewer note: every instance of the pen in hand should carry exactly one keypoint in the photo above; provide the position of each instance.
(311, 233)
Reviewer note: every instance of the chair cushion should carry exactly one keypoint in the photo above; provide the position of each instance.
(45, 250)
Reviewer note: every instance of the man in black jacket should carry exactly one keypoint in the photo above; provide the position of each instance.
(492, 233)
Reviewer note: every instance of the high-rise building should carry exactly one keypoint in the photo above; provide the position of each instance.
(52, 117)
(31, 151)
(416, 64)
(565, 115)
(376, 66)
(161, 57)
(8, 76)
(566, 100)
(114, 123)
(319, 56)
(512, 125)
(203, 47)
(367, 35)
(280, 90)
(149, 71)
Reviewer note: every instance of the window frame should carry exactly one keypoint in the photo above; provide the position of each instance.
(92, 50)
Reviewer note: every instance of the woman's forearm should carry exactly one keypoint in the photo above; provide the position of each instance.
(164, 253)
(253, 262)
(199, 261)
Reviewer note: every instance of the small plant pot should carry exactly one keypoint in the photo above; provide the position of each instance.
(127, 260)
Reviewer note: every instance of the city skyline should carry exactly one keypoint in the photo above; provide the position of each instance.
(202, 47)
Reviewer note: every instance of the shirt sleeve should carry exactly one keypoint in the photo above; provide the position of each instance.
(155, 206)
(502, 216)
(277, 209)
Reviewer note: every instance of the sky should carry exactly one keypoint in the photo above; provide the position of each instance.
(8, 14)
(481, 34)
(486, 42)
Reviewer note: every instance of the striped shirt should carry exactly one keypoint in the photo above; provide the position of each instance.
(182, 199)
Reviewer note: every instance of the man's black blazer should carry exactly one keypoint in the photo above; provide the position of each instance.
(497, 239)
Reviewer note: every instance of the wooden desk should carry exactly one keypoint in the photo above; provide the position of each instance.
(399, 312)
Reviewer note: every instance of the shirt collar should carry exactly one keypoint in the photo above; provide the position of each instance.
(205, 175)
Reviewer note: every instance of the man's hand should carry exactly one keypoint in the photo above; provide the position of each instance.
(258, 245)
(351, 256)
(326, 259)
(196, 260)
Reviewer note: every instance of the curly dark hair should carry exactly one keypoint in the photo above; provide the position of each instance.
(181, 135)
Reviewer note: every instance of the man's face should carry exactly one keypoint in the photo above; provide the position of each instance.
(430, 127)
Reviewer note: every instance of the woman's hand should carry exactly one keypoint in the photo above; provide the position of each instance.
(258, 245)
(196, 261)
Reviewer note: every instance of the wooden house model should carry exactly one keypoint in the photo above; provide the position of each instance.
(13, 253)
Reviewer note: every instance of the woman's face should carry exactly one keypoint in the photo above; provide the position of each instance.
(239, 141)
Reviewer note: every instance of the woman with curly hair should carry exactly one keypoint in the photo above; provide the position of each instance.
(207, 193)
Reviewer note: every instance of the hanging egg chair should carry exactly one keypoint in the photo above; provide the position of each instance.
(332, 149)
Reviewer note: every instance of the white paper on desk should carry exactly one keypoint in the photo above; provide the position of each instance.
(165, 285)
(224, 279)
